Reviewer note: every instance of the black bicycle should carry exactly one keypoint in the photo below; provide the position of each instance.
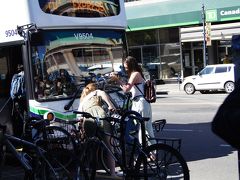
(32, 157)
(84, 163)
(137, 161)
(58, 143)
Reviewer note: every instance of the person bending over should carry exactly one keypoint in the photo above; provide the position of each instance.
(90, 102)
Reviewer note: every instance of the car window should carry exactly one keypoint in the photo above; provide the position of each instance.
(207, 70)
(221, 69)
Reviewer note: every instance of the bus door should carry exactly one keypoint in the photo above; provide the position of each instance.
(10, 57)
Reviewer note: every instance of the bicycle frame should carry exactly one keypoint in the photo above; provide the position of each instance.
(123, 161)
(9, 140)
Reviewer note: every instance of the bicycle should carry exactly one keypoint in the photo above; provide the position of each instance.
(157, 161)
(59, 145)
(122, 102)
(33, 159)
(81, 148)
(126, 102)
(57, 142)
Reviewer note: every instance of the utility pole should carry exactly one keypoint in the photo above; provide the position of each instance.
(204, 35)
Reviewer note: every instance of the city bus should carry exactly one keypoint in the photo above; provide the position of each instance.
(58, 42)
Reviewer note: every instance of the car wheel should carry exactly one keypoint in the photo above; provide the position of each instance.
(204, 91)
(229, 87)
(189, 88)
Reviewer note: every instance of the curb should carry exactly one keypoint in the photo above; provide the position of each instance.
(161, 92)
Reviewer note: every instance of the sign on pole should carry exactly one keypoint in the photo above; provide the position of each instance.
(208, 34)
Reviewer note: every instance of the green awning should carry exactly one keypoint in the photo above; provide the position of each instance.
(168, 13)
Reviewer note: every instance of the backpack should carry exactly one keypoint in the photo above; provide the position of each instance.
(17, 89)
(149, 91)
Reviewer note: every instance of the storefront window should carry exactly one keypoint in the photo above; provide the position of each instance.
(170, 49)
(197, 44)
(186, 45)
(142, 37)
(158, 51)
(149, 54)
(224, 47)
(150, 61)
(136, 52)
(169, 35)
(170, 60)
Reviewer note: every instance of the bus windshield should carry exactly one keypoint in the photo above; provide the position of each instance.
(63, 60)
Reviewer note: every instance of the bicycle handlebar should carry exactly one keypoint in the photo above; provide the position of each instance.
(39, 123)
(88, 115)
(139, 118)
(84, 114)
(134, 115)
(129, 114)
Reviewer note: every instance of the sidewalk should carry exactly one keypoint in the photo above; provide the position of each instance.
(171, 88)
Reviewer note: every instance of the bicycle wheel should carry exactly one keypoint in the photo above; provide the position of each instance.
(38, 172)
(103, 156)
(161, 162)
(60, 147)
(41, 171)
(89, 158)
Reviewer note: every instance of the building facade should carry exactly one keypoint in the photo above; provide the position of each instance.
(178, 38)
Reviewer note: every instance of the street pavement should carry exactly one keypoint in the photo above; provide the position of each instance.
(189, 118)
(197, 167)
(171, 88)
(13, 170)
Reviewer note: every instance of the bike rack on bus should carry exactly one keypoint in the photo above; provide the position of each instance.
(27, 28)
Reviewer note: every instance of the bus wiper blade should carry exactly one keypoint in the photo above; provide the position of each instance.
(70, 103)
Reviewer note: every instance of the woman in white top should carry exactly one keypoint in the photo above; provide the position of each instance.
(139, 104)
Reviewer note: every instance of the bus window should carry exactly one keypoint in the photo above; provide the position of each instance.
(81, 8)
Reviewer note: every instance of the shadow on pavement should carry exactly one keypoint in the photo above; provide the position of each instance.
(198, 141)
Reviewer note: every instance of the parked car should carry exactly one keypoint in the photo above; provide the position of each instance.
(211, 78)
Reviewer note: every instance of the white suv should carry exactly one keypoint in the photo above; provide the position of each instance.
(212, 77)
